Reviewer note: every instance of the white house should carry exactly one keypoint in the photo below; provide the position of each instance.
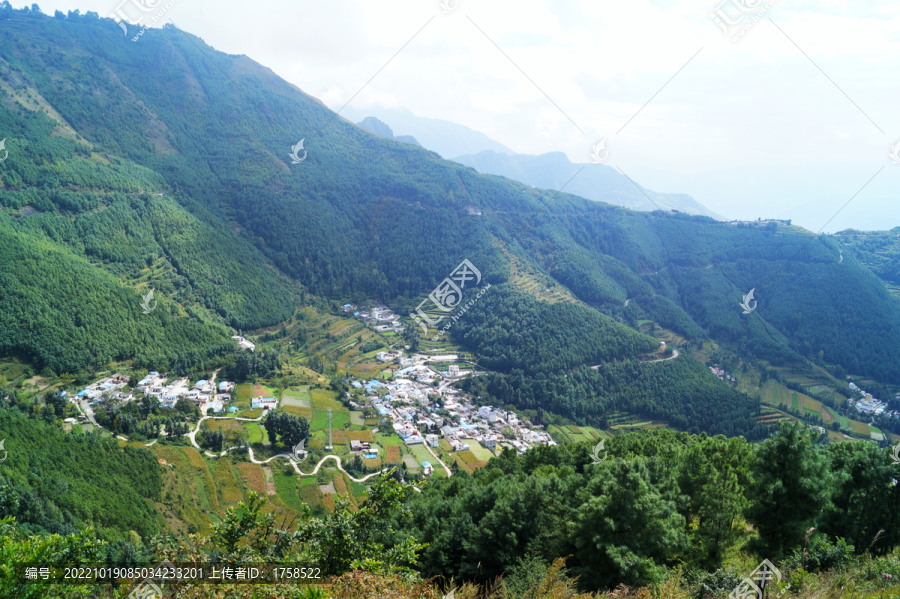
(266, 403)
(243, 343)
(489, 442)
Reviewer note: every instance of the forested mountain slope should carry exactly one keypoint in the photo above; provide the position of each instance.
(361, 216)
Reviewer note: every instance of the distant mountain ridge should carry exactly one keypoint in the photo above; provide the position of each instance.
(596, 182)
(444, 137)
(376, 127)
(547, 171)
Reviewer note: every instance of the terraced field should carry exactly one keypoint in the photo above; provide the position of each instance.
(776, 394)
(530, 280)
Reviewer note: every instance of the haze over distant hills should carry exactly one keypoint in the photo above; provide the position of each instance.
(376, 127)
(444, 137)
(595, 181)
(552, 170)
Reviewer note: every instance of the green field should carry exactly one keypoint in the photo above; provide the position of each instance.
(241, 396)
(286, 486)
(320, 419)
(254, 431)
(482, 453)
(292, 397)
(421, 455)
(324, 399)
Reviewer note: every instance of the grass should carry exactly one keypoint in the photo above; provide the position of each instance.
(481, 453)
(299, 411)
(253, 475)
(468, 457)
(324, 399)
(241, 396)
(286, 487)
(420, 453)
(254, 432)
(226, 484)
(338, 419)
(393, 454)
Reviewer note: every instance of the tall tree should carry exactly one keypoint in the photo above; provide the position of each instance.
(790, 488)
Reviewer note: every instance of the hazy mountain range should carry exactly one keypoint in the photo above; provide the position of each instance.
(552, 170)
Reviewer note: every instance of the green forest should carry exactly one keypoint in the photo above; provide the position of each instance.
(659, 509)
(56, 482)
(368, 217)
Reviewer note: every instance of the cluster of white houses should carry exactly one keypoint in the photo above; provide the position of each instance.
(203, 393)
(379, 317)
(411, 403)
(110, 386)
(870, 405)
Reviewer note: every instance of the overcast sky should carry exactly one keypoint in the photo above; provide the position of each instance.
(790, 120)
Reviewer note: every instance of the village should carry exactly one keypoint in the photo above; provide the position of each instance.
(421, 407)
(419, 404)
(380, 318)
(205, 394)
(869, 405)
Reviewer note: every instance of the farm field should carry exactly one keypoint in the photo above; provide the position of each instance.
(775, 394)
(296, 397)
(421, 455)
(482, 453)
(255, 433)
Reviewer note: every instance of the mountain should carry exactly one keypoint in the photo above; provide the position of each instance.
(549, 171)
(373, 125)
(241, 233)
(593, 181)
(438, 135)
(879, 251)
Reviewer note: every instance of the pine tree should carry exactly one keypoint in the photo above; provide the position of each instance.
(789, 490)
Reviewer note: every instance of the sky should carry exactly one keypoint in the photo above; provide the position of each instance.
(790, 114)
